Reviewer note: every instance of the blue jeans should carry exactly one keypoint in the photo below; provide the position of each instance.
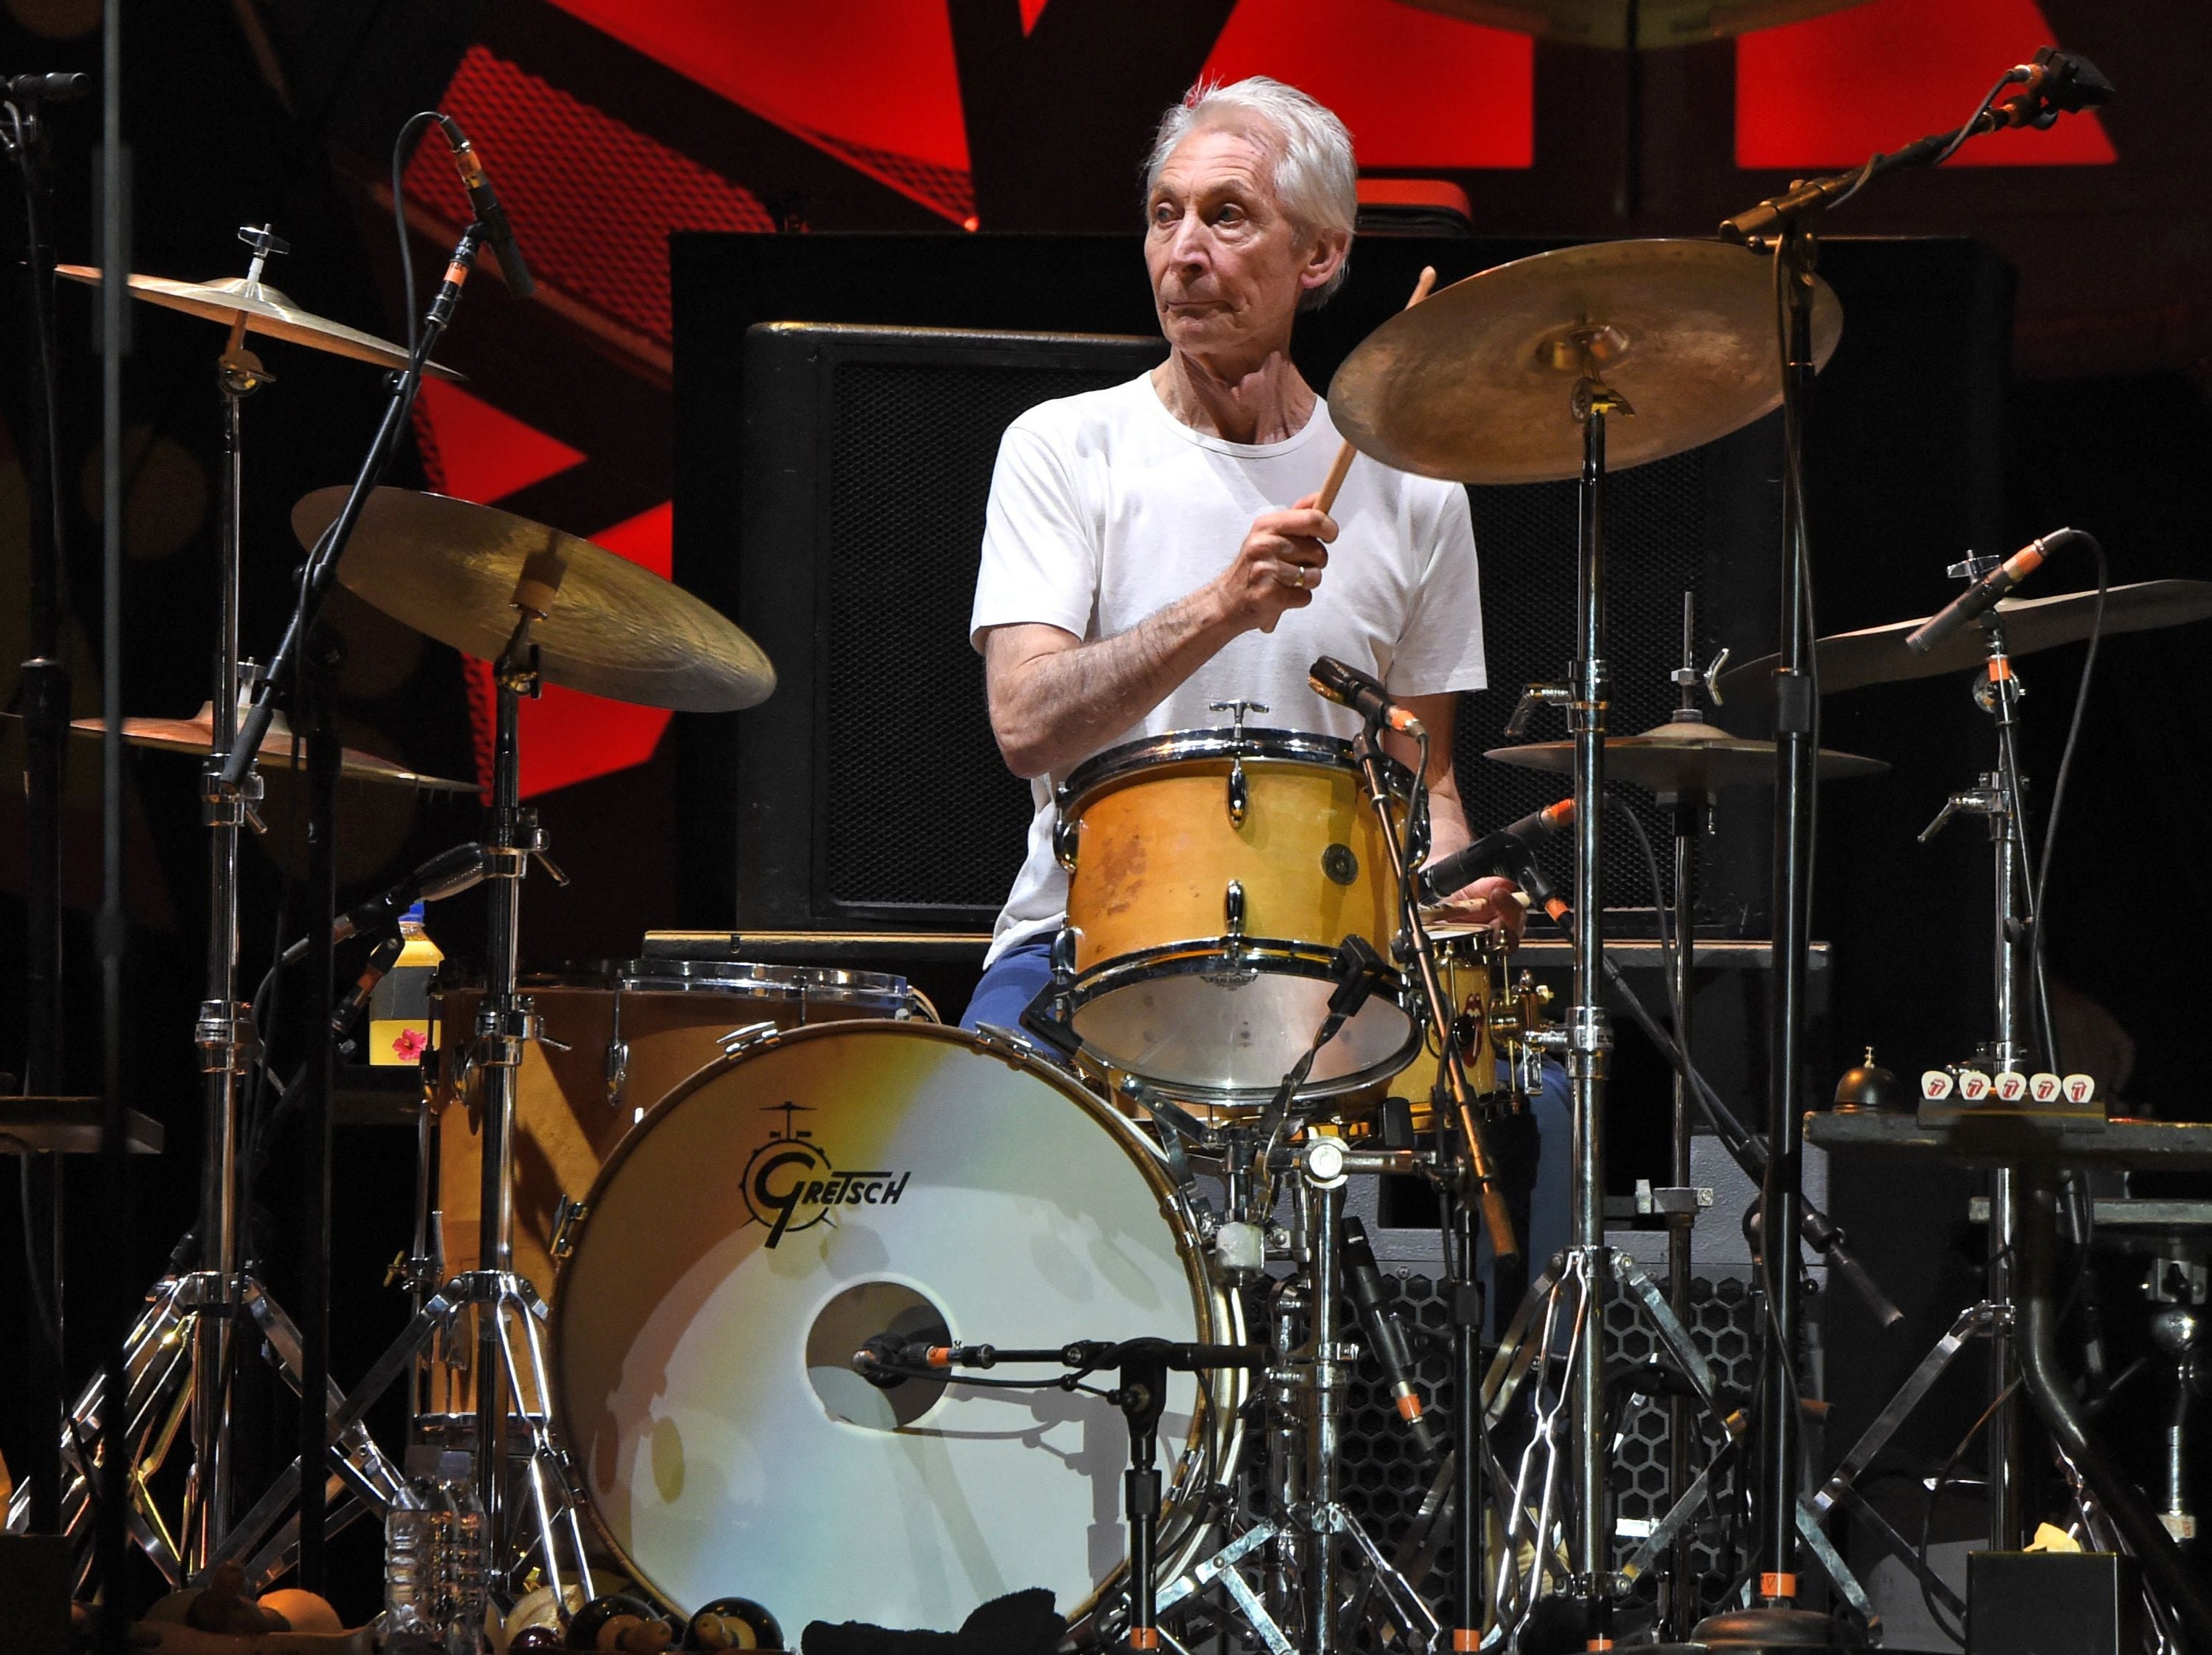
(1019, 975)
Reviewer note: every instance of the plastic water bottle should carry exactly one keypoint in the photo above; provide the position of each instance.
(413, 1542)
(400, 1006)
(462, 1557)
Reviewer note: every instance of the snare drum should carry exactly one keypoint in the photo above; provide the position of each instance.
(616, 1038)
(812, 1190)
(1210, 877)
(1469, 963)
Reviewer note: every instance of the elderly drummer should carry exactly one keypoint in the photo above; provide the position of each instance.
(1110, 605)
(1139, 563)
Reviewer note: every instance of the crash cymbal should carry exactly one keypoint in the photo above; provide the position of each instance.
(1877, 655)
(1476, 383)
(1685, 755)
(265, 309)
(1656, 23)
(195, 735)
(447, 568)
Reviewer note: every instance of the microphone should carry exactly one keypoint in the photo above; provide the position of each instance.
(1494, 851)
(1984, 594)
(1363, 1280)
(483, 202)
(447, 874)
(2054, 83)
(378, 967)
(1332, 681)
(49, 88)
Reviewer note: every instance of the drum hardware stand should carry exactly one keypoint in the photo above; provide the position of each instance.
(2055, 82)
(2000, 797)
(318, 1435)
(1574, 1414)
(502, 1299)
(1143, 1366)
(1306, 1378)
(180, 1355)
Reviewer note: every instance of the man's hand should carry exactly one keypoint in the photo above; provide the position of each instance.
(1494, 903)
(1278, 566)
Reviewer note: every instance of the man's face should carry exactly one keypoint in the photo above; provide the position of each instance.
(1227, 265)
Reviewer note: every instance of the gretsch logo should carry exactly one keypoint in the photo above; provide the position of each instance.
(790, 1183)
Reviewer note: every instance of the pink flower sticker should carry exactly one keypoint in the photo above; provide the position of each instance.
(409, 1046)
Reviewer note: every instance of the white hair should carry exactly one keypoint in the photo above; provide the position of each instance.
(1315, 180)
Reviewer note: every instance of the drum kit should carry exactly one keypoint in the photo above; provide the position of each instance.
(725, 1269)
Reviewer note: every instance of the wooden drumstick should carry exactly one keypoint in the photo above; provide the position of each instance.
(1342, 464)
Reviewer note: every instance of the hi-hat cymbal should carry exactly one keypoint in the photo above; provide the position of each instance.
(1656, 23)
(1877, 655)
(265, 309)
(196, 736)
(1685, 755)
(448, 568)
(1476, 383)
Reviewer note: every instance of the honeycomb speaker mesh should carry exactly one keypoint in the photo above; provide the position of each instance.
(1385, 1481)
(869, 788)
(908, 733)
(1657, 536)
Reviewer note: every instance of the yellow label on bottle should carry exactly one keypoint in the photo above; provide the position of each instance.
(393, 1041)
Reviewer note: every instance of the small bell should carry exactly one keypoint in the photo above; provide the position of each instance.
(1870, 1085)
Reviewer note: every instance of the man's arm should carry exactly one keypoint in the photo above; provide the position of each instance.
(1053, 698)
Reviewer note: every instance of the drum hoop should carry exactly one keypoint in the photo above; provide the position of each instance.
(1117, 764)
(1283, 957)
(1217, 1433)
(745, 977)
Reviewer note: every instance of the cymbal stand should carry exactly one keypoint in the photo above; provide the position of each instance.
(1558, 1508)
(508, 1364)
(180, 1357)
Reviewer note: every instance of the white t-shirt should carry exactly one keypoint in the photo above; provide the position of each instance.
(1105, 508)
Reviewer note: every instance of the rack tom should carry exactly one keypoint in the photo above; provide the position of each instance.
(1212, 874)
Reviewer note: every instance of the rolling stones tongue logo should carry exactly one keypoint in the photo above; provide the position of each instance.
(790, 1183)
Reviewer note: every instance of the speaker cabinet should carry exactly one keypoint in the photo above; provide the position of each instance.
(872, 792)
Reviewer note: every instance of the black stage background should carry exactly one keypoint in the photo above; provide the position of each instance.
(285, 111)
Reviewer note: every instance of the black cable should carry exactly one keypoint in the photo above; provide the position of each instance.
(1660, 906)
(2037, 949)
(413, 125)
(1936, 1495)
(39, 1304)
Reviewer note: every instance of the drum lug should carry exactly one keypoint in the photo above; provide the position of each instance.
(747, 1038)
(568, 1216)
(1067, 835)
(1240, 793)
(617, 1071)
(1232, 908)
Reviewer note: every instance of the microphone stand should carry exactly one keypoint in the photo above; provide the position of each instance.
(290, 678)
(1143, 1366)
(1781, 221)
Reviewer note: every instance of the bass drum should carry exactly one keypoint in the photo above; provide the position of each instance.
(824, 1185)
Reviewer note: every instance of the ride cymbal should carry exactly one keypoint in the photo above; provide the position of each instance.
(1683, 757)
(266, 310)
(1877, 655)
(1476, 383)
(447, 568)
